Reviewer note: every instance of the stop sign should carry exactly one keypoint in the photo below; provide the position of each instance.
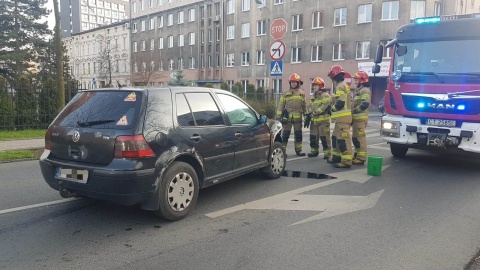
(278, 28)
(348, 78)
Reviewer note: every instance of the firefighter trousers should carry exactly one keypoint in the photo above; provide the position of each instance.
(359, 139)
(342, 144)
(297, 132)
(320, 131)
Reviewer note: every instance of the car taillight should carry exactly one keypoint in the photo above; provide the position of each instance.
(48, 145)
(132, 147)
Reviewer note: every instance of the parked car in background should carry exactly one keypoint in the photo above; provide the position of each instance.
(157, 147)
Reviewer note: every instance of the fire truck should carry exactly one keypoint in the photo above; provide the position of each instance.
(432, 101)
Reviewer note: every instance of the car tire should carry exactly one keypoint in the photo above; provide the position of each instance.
(398, 151)
(276, 162)
(178, 191)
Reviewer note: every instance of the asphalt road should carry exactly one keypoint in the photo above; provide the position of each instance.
(421, 213)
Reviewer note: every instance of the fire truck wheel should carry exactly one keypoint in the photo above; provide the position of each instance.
(398, 151)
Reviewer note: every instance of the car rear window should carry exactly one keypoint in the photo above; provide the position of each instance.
(101, 109)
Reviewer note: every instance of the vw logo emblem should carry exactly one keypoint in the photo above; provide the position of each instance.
(76, 136)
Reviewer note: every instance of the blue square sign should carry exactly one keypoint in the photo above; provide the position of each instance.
(276, 68)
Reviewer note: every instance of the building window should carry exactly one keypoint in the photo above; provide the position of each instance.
(134, 46)
(142, 4)
(142, 25)
(261, 84)
(338, 51)
(160, 21)
(191, 38)
(209, 35)
(170, 42)
(160, 2)
(365, 13)
(181, 41)
(217, 57)
(217, 33)
(171, 63)
(244, 85)
(417, 9)
(230, 6)
(202, 61)
(191, 62)
(261, 31)
(260, 58)
(202, 36)
(142, 46)
(245, 5)
(230, 59)
(316, 53)
(230, 32)
(390, 10)
(297, 22)
(277, 86)
(387, 52)
(180, 63)
(340, 16)
(209, 11)
(317, 19)
(151, 25)
(363, 50)
(170, 19)
(245, 60)
(152, 44)
(296, 55)
(209, 61)
(437, 9)
(191, 15)
(278, 2)
(134, 7)
(160, 65)
(181, 16)
(160, 43)
(245, 30)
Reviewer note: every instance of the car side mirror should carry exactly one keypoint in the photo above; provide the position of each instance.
(263, 119)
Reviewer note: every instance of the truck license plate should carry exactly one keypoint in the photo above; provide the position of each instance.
(441, 122)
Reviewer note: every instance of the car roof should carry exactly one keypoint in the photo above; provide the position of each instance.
(172, 88)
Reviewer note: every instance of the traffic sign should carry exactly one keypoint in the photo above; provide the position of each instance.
(277, 50)
(348, 78)
(278, 28)
(276, 68)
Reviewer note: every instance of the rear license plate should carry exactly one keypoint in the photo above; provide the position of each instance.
(441, 122)
(76, 175)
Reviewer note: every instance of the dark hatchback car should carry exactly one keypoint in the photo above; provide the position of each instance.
(157, 147)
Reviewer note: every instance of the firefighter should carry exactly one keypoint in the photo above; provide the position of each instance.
(361, 102)
(342, 117)
(290, 111)
(318, 118)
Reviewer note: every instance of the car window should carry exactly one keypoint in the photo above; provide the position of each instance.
(237, 111)
(184, 114)
(101, 109)
(204, 109)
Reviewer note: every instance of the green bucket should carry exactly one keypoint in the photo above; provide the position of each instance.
(374, 167)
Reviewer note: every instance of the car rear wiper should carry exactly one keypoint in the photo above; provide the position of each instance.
(425, 73)
(94, 123)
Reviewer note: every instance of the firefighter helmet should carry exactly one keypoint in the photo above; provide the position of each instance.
(361, 76)
(318, 81)
(295, 78)
(334, 71)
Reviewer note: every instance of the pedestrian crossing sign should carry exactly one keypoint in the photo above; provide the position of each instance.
(276, 68)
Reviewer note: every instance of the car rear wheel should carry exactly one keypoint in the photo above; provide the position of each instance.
(178, 191)
(398, 150)
(277, 162)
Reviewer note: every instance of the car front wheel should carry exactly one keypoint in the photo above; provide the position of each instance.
(178, 191)
(277, 162)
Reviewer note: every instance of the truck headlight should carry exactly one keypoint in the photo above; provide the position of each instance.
(390, 128)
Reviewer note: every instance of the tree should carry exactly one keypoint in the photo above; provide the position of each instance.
(26, 109)
(179, 79)
(224, 86)
(22, 35)
(7, 109)
(47, 102)
(145, 68)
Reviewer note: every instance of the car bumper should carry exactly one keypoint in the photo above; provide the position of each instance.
(119, 186)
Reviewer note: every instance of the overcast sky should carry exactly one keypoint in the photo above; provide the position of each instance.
(51, 17)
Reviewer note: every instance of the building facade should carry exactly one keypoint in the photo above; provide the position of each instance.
(82, 15)
(100, 57)
(230, 40)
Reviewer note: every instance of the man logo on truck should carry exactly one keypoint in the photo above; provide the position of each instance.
(441, 106)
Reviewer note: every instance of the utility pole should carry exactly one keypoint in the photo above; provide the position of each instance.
(59, 58)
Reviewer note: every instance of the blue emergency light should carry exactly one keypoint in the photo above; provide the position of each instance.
(461, 107)
(421, 105)
(427, 20)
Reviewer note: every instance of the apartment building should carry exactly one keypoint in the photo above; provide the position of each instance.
(100, 57)
(217, 41)
(82, 15)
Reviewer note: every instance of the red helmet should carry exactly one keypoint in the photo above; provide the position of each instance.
(295, 78)
(319, 82)
(334, 71)
(361, 76)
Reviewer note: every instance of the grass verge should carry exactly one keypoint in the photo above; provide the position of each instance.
(22, 134)
(12, 155)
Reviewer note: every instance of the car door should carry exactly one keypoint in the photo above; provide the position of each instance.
(252, 138)
(201, 125)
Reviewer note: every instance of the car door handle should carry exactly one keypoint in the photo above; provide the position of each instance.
(238, 135)
(195, 137)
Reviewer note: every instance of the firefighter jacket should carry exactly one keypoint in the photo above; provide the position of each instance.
(293, 100)
(361, 103)
(320, 107)
(341, 112)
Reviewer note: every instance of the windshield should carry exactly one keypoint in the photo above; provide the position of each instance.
(438, 61)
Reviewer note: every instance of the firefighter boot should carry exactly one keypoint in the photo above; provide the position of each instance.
(358, 162)
(341, 165)
(300, 153)
(334, 159)
(312, 154)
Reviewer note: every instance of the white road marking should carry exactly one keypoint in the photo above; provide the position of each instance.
(21, 208)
